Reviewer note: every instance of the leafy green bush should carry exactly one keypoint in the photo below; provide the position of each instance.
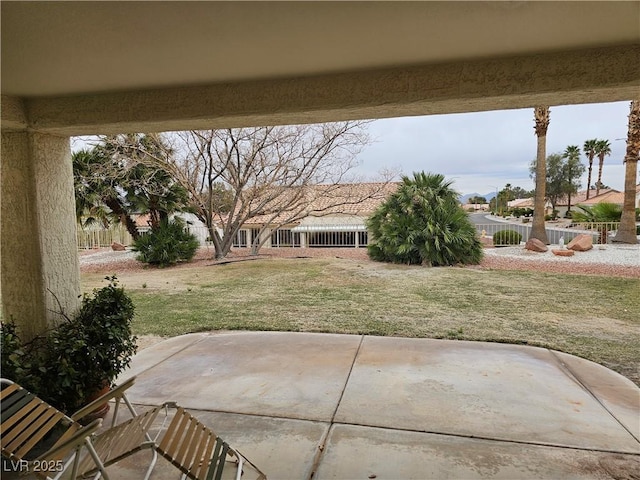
(422, 223)
(166, 245)
(72, 361)
(521, 212)
(506, 237)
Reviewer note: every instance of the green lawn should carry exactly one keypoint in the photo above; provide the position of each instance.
(593, 317)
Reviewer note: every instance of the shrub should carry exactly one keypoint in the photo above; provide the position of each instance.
(166, 245)
(422, 223)
(75, 359)
(600, 212)
(506, 237)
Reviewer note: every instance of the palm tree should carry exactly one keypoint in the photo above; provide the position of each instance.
(572, 154)
(590, 151)
(541, 114)
(627, 230)
(422, 223)
(95, 189)
(603, 148)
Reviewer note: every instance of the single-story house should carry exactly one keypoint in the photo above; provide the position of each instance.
(580, 198)
(336, 219)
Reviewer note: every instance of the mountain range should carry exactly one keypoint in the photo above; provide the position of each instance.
(488, 196)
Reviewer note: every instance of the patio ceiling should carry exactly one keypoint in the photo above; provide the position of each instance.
(84, 67)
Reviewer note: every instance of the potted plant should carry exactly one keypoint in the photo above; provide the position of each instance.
(74, 361)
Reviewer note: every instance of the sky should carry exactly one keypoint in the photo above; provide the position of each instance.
(482, 152)
(486, 150)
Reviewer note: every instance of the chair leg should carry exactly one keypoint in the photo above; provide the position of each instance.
(101, 469)
(240, 463)
(152, 466)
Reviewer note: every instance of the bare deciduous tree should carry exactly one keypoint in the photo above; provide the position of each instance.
(270, 174)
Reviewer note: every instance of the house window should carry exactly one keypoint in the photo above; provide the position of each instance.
(363, 239)
(285, 238)
(255, 232)
(332, 239)
(240, 239)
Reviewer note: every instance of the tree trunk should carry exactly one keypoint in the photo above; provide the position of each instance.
(129, 223)
(255, 247)
(601, 165)
(217, 242)
(589, 177)
(538, 224)
(627, 230)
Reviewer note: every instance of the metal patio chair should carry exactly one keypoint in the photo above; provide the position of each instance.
(194, 449)
(188, 444)
(28, 424)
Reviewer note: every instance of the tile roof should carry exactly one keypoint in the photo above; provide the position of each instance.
(581, 196)
(354, 199)
(521, 203)
(612, 196)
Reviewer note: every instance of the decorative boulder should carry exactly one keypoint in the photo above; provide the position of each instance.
(535, 245)
(118, 247)
(486, 242)
(581, 243)
(563, 253)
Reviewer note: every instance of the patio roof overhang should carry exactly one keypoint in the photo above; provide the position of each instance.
(349, 223)
(73, 68)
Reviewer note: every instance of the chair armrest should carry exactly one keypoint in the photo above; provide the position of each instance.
(117, 392)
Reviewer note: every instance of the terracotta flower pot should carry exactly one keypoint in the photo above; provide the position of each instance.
(101, 411)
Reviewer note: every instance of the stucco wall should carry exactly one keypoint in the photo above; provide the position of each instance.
(39, 262)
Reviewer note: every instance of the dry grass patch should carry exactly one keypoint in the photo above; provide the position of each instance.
(593, 317)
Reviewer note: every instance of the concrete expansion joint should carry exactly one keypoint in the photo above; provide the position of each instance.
(493, 439)
(576, 378)
(323, 442)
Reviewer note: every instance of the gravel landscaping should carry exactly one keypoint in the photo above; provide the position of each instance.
(608, 260)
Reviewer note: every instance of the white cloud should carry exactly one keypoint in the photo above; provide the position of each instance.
(486, 149)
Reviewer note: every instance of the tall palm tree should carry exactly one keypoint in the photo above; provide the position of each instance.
(627, 230)
(589, 148)
(603, 148)
(541, 115)
(572, 154)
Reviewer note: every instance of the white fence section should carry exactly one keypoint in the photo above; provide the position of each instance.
(89, 238)
(601, 232)
(333, 237)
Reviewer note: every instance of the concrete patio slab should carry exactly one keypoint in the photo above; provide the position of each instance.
(479, 389)
(317, 406)
(364, 452)
(151, 357)
(292, 375)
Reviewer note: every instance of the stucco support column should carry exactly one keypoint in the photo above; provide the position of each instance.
(39, 261)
